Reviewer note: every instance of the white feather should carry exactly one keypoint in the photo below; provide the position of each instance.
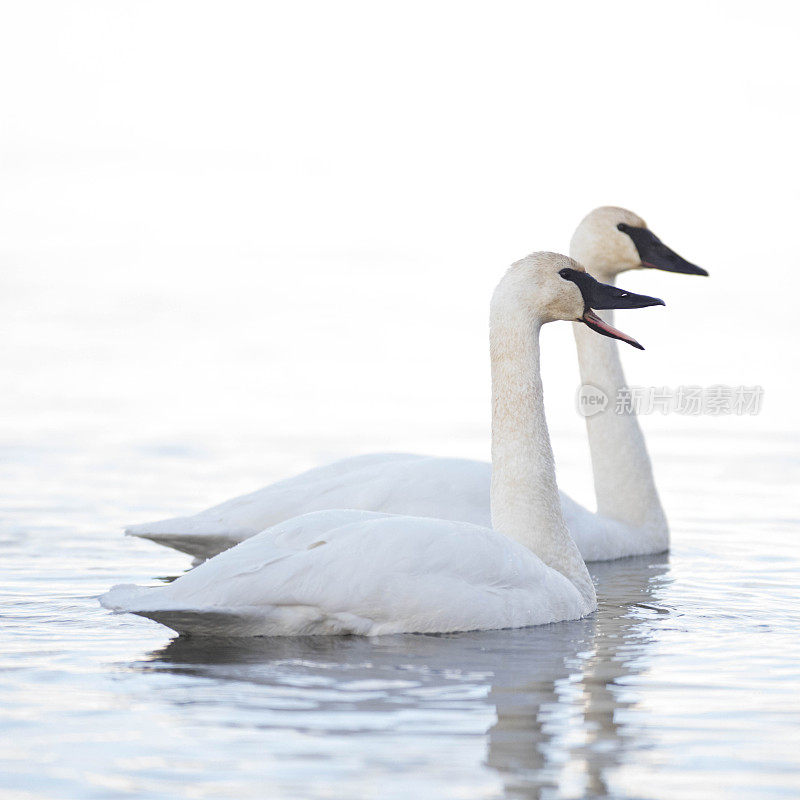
(394, 483)
(335, 572)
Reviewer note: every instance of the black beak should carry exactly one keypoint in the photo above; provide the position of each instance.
(599, 296)
(655, 254)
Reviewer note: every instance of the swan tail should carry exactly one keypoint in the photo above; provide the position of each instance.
(122, 597)
(199, 546)
(188, 536)
(277, 620)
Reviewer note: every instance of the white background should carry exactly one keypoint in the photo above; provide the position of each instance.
(219, 219)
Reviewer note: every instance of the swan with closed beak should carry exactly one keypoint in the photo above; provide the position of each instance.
(608, 241)
(361, 572)
(630, 519)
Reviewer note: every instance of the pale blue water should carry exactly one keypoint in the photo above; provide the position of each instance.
(683, 685)
(241, 239)
(127, 401)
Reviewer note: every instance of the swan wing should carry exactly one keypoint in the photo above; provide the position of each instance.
(446, 488)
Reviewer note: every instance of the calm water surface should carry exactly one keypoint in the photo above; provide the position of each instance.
(683, 684)
(134, 402)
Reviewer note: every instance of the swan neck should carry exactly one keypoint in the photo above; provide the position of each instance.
(525, 502)
(625, 487)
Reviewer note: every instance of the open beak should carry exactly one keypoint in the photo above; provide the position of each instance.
(598, 295)
(596, 324)
(656, 255)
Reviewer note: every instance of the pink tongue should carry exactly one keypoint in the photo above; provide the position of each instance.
(591, 317)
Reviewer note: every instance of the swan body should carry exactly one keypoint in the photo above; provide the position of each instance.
(630, 520)
(364, 572)
(455, 489)
(361, 572)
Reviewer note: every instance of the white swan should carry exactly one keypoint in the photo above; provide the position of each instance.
(630, 519)
(346, 571)
(458, 489)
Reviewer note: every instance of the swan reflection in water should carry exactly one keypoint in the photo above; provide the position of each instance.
(557, 690)
(558, 717)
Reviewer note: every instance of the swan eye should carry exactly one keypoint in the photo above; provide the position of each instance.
(622, 227)
(564, 273)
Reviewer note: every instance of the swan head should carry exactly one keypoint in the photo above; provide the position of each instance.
(611, 240)
(547, 287)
